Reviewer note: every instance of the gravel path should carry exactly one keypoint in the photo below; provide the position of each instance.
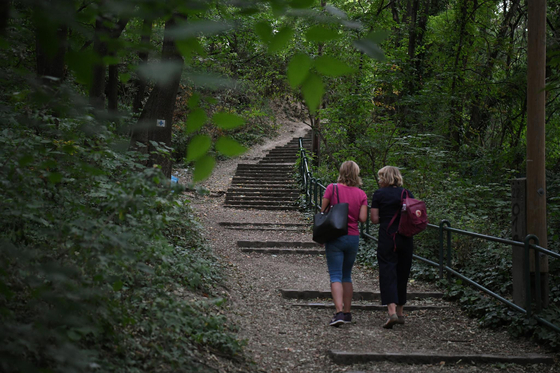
(284, 338)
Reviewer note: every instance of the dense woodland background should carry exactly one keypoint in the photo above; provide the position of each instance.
(102, 262)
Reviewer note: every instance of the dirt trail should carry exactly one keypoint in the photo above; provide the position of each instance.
(283, 337)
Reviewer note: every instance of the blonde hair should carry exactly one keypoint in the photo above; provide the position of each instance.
(390, 176)
(349, 174)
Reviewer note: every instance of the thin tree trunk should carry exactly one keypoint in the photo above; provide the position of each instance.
(160, 106)
(50, 61)
(141, 83)
(112, 88)
(97, 89)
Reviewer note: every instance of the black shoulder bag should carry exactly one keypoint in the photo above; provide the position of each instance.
(332, 223)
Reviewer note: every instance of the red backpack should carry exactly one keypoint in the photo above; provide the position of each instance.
(414, 218)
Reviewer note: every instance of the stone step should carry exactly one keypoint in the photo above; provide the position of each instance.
(264, 177)
(261, 183)
(265, 200)
(256, 172)
(285, 244)
(248, 190)
(284, 151)
(258, 203)
(263, 192)
(279, 159)
(346, 357)
(371, 307)
(265, 168)
(280, 229)
(276, 251)
(244, 207)
(240, 224)
(261, 180)
(358, 295)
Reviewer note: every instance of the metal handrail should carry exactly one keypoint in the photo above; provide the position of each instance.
(313, 189)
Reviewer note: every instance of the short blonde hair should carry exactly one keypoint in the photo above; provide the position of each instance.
(390, 176)
(349, 174)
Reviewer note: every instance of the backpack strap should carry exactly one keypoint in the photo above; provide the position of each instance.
(394, 235)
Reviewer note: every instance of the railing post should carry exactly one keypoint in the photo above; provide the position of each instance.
(538, 289)
(308, 189)
(441, 229)
(448, 252)
(528, 272)
(315, 192)
(367, 221)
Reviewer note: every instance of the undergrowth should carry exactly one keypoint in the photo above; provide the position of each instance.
(103, 267)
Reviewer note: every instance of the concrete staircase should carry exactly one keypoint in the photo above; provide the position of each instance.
(268, 184)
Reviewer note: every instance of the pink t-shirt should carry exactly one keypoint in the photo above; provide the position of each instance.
(355, 197)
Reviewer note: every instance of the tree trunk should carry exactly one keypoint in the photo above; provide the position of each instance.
(97, 89)
(112, 88)
(4, 15)
(160, 106)
(51, 63)
(141, 82)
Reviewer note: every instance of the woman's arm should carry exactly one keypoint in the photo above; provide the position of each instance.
(363, 214)
(374, 216)
(325, 204)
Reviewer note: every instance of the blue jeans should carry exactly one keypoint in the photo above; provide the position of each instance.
(341, 254)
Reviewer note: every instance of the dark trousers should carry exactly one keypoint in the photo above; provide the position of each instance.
(394, 267)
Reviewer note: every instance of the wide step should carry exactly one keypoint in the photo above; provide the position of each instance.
(345, 357)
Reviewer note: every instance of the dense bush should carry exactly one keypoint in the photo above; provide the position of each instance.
(103, 265)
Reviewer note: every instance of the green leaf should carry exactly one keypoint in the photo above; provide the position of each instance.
(117, 285)
(197, 28)
(111, 60)
(55, 177)
(302, 4)
(280, 40)
(25, 160)
(228, 146)
(194, 101)
(195, 120)
(321, 34)
(330, 66)
(298, 69)
(227, 121)
(264, 31)
(188, 47)
(313, 90)
(198, 146)
(370, 48)
(203, 168)
(81, 63)
(124, 77)
(378, 37)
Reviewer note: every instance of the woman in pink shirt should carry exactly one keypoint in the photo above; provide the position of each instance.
(341, 252)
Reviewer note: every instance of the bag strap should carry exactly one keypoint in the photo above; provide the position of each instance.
(397, 213)
(336, 191)
(394, 217)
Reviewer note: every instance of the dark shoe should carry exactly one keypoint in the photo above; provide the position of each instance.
(401, 320)
(347, 317)
(337, 320)
(392, 320)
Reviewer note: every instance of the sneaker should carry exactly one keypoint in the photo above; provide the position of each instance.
(347, 317)
(401, 320)
(337, 320)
